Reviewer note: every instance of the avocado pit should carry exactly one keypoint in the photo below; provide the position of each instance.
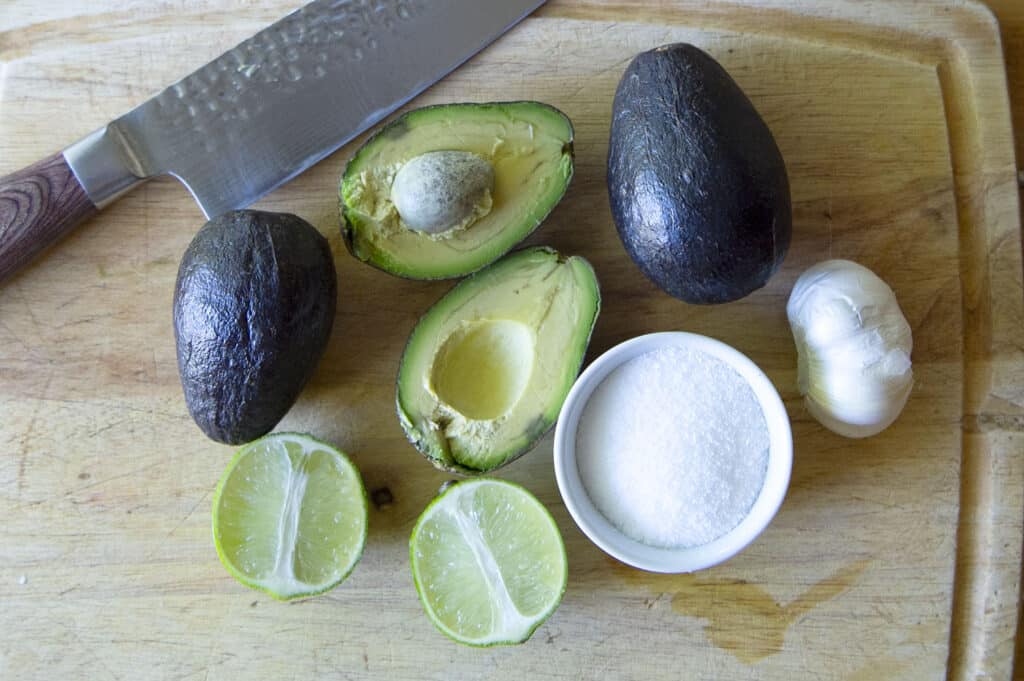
(440, 192)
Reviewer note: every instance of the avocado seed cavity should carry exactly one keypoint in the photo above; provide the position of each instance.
(483, 367)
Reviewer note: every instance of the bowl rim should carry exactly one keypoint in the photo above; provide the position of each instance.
(609, 538)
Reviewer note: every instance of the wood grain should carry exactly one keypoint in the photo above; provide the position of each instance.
(895, 557)
(38, 205)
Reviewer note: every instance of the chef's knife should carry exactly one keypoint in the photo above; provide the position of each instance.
(256, 116)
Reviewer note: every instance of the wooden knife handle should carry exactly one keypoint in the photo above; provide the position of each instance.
(38, 205)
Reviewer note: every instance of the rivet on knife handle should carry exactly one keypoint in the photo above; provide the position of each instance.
(38, 205)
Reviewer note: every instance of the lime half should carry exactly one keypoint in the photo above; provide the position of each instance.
(289, 516)
(488, 562)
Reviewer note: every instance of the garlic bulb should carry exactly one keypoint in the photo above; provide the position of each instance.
(853, 346)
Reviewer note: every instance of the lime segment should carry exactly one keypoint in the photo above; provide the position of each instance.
(290, 516)
(488, 562)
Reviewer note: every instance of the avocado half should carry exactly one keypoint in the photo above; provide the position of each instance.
(487, 368)
(529, 145)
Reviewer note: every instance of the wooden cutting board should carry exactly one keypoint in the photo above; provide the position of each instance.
(896, 557)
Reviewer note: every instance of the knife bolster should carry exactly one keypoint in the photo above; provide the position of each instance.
(102, 165)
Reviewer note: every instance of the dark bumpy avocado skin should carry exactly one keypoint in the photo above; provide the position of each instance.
(697, 184)
(253, 310)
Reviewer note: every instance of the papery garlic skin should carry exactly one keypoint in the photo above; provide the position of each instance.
(853, 347)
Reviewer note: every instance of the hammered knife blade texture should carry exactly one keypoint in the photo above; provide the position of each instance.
(259, 114)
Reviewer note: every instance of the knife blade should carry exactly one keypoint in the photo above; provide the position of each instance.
(256, 116)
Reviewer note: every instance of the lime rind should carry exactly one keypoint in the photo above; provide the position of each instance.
(291, 589)
(518, 627)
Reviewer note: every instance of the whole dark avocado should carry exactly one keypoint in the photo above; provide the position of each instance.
(697, 185)
(253, 310)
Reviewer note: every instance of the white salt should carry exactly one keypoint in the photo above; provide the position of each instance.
(672, 448)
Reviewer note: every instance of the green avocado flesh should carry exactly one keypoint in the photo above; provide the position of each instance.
(527, 144)
(487, 368)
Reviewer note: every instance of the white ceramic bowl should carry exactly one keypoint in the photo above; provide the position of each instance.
(607, 536)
